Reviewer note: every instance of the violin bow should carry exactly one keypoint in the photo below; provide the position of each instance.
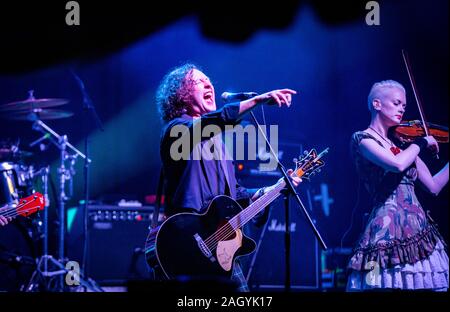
(416, 95)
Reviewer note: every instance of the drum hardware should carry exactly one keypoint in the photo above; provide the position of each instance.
(31, 103)
(33, 109)
(65, 173)
(16, 259)
(46, 262)
(36, 114)
(12, 183)
(9, 151)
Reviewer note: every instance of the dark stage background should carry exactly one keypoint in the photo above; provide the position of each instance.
(324, 50)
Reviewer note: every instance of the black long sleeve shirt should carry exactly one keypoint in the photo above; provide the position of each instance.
(192, 182)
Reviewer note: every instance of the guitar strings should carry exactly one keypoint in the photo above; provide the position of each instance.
(9, 209)
(15, 214)
(20, 205)
(12, 211)
(225, 231)
(228, 229)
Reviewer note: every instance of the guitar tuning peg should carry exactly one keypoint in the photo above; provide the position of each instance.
(305, 152)
(295, 160)
(318, 170)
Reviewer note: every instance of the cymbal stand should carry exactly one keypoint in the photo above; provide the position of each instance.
(43, 173)
(64, 175)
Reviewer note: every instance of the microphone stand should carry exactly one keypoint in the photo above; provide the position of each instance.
(87, 107)
(290, 190)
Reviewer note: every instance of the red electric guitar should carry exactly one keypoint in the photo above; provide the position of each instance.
(26, 207)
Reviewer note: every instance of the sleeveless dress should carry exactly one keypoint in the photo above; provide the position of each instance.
(401, 247)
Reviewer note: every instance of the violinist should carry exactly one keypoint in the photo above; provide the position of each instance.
(400, 247)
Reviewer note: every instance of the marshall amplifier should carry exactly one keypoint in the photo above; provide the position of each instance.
(116, 237)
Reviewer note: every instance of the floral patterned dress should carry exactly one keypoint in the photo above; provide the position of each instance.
(400, 247)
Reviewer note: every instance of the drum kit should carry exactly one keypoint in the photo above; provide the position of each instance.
(18, 179)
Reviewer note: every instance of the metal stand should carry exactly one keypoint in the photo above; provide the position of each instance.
(89, 109)
(40, 276)
(287, 244)
(45, 261)
(290, 191)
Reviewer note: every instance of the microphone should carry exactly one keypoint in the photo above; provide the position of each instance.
(230, 97)
(87, 102)
(86, 99)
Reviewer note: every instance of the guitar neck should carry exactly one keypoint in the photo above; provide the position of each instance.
(256, 207)
(6, 211)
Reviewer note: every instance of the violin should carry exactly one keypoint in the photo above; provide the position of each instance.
(408, 131)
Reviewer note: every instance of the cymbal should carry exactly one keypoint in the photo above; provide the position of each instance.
(42, 114)
(32, 103)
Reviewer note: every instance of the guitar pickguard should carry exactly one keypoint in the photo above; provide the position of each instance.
(226, 250)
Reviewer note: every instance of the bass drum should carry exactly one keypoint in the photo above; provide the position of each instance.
(17, 255)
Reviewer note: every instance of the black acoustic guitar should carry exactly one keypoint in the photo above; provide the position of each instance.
(191, 244)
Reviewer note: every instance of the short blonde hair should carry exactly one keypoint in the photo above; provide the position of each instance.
(377, 89)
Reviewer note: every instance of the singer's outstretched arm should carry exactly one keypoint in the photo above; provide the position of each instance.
(280, 97)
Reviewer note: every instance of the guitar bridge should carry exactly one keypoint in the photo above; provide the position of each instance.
(205, 250)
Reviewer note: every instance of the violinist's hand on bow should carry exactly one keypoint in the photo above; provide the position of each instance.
(432, 144)
(280, 97)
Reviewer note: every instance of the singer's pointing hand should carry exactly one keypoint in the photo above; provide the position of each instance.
(280, 97)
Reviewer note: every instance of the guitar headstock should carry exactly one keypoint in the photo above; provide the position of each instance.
(31, 204)
(309, 164)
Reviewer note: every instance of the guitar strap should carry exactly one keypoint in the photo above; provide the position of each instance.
(159, 192)
(221, 152)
